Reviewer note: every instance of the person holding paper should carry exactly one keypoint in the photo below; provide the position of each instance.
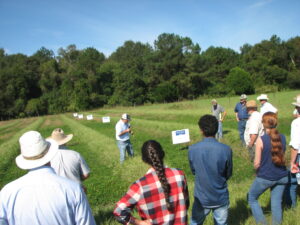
(218, 112)
(211, 163)
(123, 132)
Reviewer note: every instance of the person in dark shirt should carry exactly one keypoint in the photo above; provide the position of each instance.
(241, 115)
(211, 163)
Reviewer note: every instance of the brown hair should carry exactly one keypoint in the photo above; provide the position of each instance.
(153, 154)
(269, 121)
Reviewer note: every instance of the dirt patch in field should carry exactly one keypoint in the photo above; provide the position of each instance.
(52, 121)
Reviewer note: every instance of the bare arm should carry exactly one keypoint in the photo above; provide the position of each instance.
(258, 150)
(224, 115)
(236, 116)
(253, 138)
(294, 166)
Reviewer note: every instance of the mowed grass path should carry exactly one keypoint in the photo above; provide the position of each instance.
(109, 180)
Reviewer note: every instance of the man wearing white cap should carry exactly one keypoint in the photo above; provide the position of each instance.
(41, 197)
(68, 163)
(123, 132)
(265, 105)
(241, 115)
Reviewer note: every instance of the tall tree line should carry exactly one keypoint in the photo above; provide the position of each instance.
(173, 69)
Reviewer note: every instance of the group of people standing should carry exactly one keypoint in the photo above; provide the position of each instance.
(47, 194)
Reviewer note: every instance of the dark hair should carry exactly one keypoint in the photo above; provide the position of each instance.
(209, 125)
(269, 121)
(153, 154)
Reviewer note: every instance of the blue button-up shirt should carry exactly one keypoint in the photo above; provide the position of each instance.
(43, 198)
(241, 109)
(211, 163)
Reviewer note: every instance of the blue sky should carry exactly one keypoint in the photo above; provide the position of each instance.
(27, 25)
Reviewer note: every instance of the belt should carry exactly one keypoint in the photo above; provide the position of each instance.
(243, 119)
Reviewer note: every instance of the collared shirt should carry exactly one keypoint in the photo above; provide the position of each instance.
(253, 126)
(295, 134)
(211, 163)
(43, 198)
(70, 164)
(217, 112)
(120, 127)
(267, 107)
(147, 195)
(241, 110)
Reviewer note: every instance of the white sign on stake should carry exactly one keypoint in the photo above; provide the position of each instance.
(89, 117)
(75, 114)
(180, 136)
(80, 116)
(106, 119)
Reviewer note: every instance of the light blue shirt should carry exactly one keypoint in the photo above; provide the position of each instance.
(120, 127)
(43, 198)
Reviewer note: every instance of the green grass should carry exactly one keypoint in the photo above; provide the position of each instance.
(109, 180)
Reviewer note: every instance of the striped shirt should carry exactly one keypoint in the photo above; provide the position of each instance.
(147, 195)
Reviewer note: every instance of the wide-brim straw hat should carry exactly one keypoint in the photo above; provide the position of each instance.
(297, 103)
(60, 137)
(263, 97)
(251, 104)
(35, 151)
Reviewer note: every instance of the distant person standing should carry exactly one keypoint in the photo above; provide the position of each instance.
(123, 132)
(211, 163)
(254, 128)
(265, 105)
(295, 112)
(241, 115)
(68, 163)
(218, 112)
(41, 197)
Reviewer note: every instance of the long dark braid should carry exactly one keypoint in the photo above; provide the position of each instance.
(153, 154)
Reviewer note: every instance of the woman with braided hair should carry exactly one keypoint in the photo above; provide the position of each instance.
(271, 171)
(160, 196)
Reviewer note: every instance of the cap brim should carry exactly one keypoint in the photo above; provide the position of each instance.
(26, 164)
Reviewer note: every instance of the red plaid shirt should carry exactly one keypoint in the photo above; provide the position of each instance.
(147, 195)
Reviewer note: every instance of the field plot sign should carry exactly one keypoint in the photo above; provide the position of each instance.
(106, 119)
(80, 116)
(89, 117)
(75, 114)
(180, 136)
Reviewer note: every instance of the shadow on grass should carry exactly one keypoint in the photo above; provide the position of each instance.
(240, 213)
(105, 217)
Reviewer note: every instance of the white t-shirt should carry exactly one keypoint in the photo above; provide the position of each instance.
(267, 107)
(253, 126)
(295, 134)
(120, 127)
(68, 163)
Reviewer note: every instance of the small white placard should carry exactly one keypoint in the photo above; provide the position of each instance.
(106, 119)
(75, 114)
(89, 117)
(80, 116)
(180, 136)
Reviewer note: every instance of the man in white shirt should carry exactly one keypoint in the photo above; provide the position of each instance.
(66, 162)
(295, 138)
(254, 127)
(123, 132)
(41, 197)
(265, 105)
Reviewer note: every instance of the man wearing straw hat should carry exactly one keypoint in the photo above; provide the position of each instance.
(41, 197)
(68, 163)
(265, 105)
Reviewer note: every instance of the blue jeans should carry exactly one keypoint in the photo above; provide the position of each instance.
(123, 147)
(199, 213)
(241, 128)
(219, 134)
(290, 195)
(258, 187)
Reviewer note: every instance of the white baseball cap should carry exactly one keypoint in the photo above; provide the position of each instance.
(125, 116)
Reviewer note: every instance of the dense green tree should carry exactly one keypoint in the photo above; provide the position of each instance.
(239, 81)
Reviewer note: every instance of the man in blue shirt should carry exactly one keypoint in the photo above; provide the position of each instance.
(241, 116)
(211, 163)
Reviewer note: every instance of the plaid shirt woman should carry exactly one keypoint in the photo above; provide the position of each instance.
(161, 196)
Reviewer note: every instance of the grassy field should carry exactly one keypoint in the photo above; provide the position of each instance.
(109, 180)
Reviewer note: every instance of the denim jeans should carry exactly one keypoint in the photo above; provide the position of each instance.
(241, 128)
(219, 134)
(123, 147)
(258, 187)
(199, 214)
(290, 195)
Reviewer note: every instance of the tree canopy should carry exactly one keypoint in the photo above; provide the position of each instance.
(173, 69)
